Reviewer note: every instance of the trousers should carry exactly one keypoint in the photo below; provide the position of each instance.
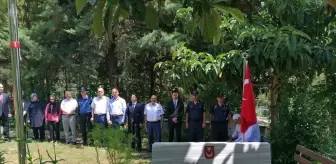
(5, 123)
(174, 129)
(54, 130)
(196, 131)
(39, 133)
(85, 125)
(135, 129)
(220, 131)
(154, 132)
(69, 122)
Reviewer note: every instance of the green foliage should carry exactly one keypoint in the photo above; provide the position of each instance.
(30, 159)
(2, 158)
(115, 141)
(80, 4)
(151, 17)
(205, 16)
(54, 159)
(305, 120)
(97, 25)
(197, 67)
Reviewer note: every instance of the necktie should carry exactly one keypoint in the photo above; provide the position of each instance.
(133, 106)
(175, 103)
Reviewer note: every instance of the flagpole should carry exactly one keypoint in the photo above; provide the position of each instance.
(244, 66)
(15, 51)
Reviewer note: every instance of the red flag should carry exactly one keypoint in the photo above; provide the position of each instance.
(248, 112)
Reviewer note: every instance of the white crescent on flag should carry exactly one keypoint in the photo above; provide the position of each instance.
(246, 81)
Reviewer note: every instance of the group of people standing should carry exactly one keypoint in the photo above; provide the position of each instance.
(135, 115)
(100, 110)
(38, 114)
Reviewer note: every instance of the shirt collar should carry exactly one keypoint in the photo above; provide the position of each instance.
(115, 99)
(100, 98)
(85, 98)
(152, 104)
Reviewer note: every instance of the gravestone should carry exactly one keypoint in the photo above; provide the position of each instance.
(211, 153)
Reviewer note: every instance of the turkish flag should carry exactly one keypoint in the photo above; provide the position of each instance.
(248, 113)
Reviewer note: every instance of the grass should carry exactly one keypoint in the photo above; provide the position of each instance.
(72, 154)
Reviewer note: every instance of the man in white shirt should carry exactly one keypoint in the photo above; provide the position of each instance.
(251, 135)
(236, 132)
(68, 107)
(117, 108)
(99, 107)
(154, 119)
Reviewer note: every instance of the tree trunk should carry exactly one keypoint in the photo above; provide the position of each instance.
(275, 84)
(112, 65)
(152, 81)
(48, 87)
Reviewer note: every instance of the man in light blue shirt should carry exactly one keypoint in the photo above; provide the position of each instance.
(117, 108)
(251, 135)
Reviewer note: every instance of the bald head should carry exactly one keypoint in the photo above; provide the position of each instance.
(68, 95)
(153, 99)
(100, 92)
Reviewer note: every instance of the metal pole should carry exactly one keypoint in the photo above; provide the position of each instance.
(244, 66)
(15, 51)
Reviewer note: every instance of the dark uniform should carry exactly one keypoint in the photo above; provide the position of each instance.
(195, 120)
(220, 119)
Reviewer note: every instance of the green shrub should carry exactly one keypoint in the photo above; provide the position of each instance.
(303, 120)
(2, 158)
(116, 142)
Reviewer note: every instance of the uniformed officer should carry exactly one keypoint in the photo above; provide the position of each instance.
(195, 118)
(220, 119)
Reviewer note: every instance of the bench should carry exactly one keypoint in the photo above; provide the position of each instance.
(211, 153)
(315, 156)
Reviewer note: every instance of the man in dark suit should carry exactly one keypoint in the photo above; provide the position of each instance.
(134, 119)
(5, 112)
(175, 109)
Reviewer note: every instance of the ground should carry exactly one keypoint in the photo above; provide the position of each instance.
(72, 154)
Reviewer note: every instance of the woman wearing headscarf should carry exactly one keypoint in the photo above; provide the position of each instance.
(52, 116)
(35, 113)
